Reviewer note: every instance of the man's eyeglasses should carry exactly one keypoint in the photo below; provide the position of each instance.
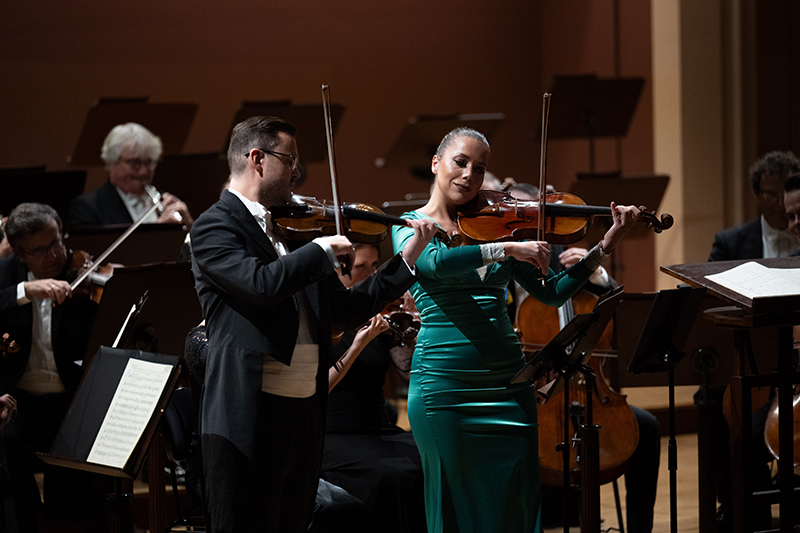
(42, 251)
(772, 196)
(137, 163)
(292, 159)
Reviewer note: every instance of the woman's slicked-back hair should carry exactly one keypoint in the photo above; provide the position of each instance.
(255, 132)
(455, 134)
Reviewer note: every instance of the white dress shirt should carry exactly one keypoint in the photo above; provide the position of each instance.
(137, 205)
(41, 375)
(777, 243)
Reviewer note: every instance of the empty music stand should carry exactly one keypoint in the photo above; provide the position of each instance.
(591, 107)
(171, 311)
(197, 179)
(308, 118)
(417, 143)
(659, 349)
(602, 189)
(171, 122)
(55, 188)
(566, 354)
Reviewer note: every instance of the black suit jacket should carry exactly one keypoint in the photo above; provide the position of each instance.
(71, 328)
(739, 242)
(247, 295)
(100, 207)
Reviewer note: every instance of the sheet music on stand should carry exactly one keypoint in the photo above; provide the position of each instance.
(115, 412)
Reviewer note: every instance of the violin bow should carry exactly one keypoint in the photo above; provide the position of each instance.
(337, 212)
(543, 165)
(326, 108)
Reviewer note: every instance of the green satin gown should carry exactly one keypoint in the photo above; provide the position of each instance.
(477, 434)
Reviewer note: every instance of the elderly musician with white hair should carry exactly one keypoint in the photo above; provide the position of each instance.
(131, 153)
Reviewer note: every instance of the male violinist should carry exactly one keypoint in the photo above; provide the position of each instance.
(268, 314)
(44, 374)
(131, 153)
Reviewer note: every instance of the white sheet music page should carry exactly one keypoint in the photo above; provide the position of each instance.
(755, 280)
(133, 404)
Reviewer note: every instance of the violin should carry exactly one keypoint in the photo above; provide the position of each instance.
(494, 216)
(8, 345)
(404, 322)
(306, 218)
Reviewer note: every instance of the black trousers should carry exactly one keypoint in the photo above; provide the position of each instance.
(275, 491)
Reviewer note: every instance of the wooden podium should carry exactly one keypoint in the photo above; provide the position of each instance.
(779, 314)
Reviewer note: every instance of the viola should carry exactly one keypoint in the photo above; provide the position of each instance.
(307, 218)
(494, 216)
(87, 277)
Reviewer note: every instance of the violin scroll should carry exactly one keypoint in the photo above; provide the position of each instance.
(652, 221)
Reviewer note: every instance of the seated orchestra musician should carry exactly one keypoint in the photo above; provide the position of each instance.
(44, 374)
(131, 153)
(764, 237)
(641, 474)
(365, 452)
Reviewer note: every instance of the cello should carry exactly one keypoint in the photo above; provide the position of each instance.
(537, 323)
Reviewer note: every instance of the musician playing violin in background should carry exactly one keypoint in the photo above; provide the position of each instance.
(45, 373)
(641, 474)
(131, 153)
(269, 313)
(365, 452)
(476, 432)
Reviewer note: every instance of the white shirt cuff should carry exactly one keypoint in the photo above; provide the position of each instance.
(21, 298)
(492, 253)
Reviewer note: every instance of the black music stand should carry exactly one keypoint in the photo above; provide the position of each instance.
(417, 143)
(197, 179)
(55, 188)
(592, 107)
(659, 349)
(171, 311)
(602, 189)
(148, 244)
(566, 354)
(91, 417)
(308, 118)
(171, 122)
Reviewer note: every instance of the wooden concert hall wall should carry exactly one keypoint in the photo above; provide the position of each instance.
(385, 62)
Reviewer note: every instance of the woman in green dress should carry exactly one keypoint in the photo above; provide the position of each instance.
(476, 432)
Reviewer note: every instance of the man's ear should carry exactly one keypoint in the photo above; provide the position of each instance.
(20, 255)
